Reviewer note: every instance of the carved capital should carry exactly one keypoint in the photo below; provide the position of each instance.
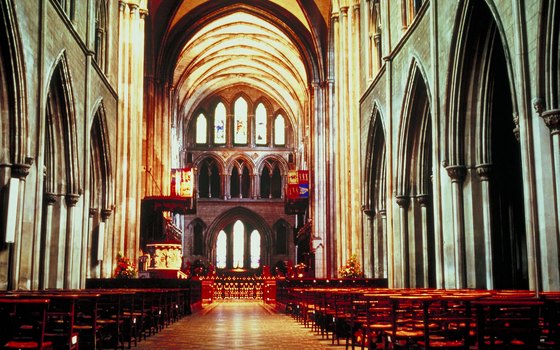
(382, 212)
(143, 13)
(105, 214)
(423, 200)
(456, 172)
(133, 8)
(50, 198)
(122, 5)
(71, 199)
(484, 170)
(344, 10)
(377, 38)
(368, 211)
(20, 171)
(552, 120)
(402, 201)
(538, 105)
(93, 212)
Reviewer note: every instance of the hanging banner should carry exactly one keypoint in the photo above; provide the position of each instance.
(298, 184)
(182, 182)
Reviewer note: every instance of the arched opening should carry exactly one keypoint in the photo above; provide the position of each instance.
(61, 180)
(416, 236)
(100, 192)
(375, 203)
(484, 130)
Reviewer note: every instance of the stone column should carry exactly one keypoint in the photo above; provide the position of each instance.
(50, 200)
(483, 171)
(423, 201)
(93, 219)
(106, 267)
(371, 244)
(457, 174)
(225, 186)
(552, 120)
(403, 202)
(383, 270)
(19, 173)
(343, 104)
(336, 114)
(71, 200)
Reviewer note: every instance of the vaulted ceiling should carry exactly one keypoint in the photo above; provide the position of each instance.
(200, 47)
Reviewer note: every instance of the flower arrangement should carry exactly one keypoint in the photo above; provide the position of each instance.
(125, 268)
(352, 269)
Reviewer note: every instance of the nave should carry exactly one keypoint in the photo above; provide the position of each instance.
(237, 325)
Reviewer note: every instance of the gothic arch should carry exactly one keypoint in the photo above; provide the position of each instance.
(250, 218)
(237, 161)
(199, 230)
(101, 169)
(208, 160)
(61, 149)
(13, 96)
(259, 166)
(375, 196)
(548, 79)
(479, 42)
(483, 155)
(414, 134)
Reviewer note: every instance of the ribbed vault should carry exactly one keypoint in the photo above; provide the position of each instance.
(241, 49)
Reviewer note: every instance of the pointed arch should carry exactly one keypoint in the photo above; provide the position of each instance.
(282, 236)
(251, 220)
(198, 228)
(483, 134)
(414, 194)
(209, 175)
(375, 196)
(414, 132)
(13, 96)
(548, 79)
(61, 150)
(102, 181)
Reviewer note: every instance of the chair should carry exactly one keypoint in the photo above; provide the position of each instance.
(23, 323)
(446, 324)
(506, 324)
(85, 321)
(407, 325)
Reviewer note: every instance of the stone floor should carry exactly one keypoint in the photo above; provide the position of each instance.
(237, 325)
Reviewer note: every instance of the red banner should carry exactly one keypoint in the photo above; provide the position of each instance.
(182, 182)
(298, 184)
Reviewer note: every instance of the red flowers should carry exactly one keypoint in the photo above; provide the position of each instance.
(125, 268)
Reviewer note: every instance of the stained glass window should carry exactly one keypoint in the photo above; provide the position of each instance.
(240, 121)
(201, 129)
(279, 130)
(238, 244)
(220, 124)
(221, 250)
(260, 129)
(255, 249)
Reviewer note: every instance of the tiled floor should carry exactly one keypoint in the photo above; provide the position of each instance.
(237, 325)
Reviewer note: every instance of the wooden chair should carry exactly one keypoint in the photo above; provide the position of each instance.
(507, 323)
(23, 323)
(407, 326)
(109, 318)
(550, 323)
(446, 324)
(85, 321)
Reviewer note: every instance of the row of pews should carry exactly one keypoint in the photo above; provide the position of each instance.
(87, 319)
(383, 318)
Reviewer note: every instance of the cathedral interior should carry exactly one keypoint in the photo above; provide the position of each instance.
(422, 138)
